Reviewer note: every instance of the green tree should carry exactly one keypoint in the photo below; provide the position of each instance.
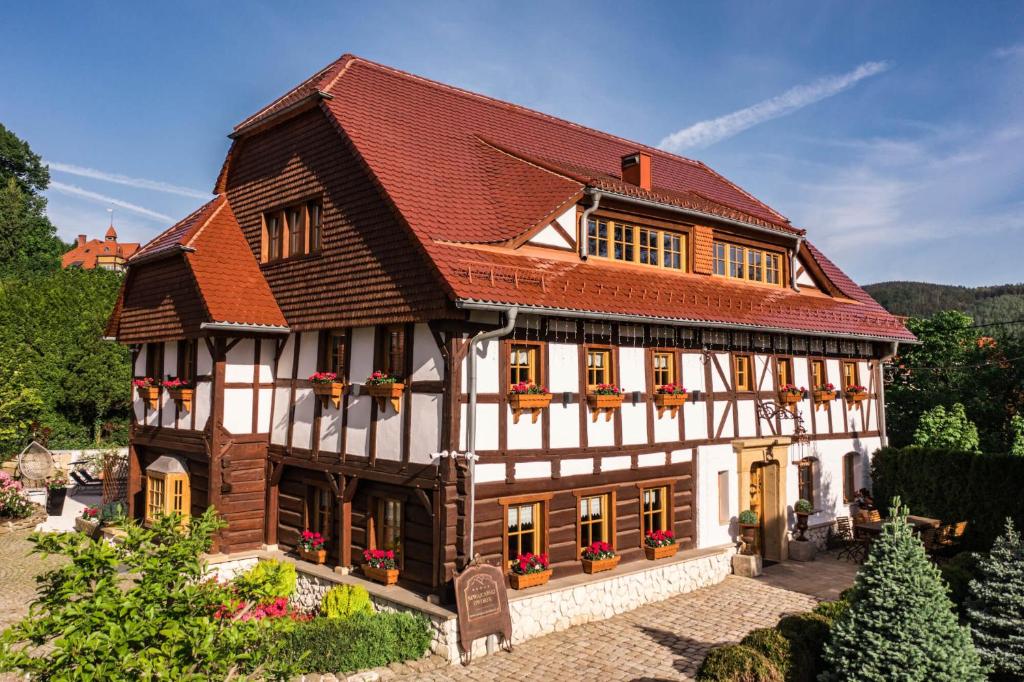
(900, 626)
(19, 163)
(28, 240)
(159, 620)
(1017, 435)
(951, 429)
(995, 607)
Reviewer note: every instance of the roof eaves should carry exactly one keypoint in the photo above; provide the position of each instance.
(296, 107)
(167, 252)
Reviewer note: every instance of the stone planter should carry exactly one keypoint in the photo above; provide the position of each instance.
(598, 565)
(387, 393)
(149, 395)
(528, 402)
(655, 553)
(523, 581)
(748, 532)
(384, 576)
(801, 526)
(55, 501)
(802, 551)
(88, 527)
(603, 404)
(669, 401)
(329, 391)
(182, 397)
(316, 556)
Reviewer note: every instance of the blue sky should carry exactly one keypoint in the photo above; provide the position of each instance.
(893, 132)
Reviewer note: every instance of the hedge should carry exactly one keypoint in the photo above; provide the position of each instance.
(737, 663)
(334, 645)
(982, 489)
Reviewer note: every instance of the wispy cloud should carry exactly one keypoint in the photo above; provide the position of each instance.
(1010, 51)
(74, 190)
(705, 133)
(116, 178)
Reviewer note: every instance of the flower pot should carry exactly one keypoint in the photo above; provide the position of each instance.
(384, 576)
(521, 581)
(606, 404)
(598, 565)
(149, 395)
(528, 402)
(789, 398)
(386, 393)
(316, 556)
(329, 391)
(822, 398)
(801, 526)
(55, 501)
(87, 527)
(655, 553)
(748, 533)
(855, 398)
(669, 401)
(182, 397)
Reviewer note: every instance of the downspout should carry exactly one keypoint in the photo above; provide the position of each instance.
(883, 436)
(792, 264)
(584, 244)
(510, 323)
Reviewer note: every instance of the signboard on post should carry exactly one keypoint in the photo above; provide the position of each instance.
(482, 603)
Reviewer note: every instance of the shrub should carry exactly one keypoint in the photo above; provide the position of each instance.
(958, 573)
(811, 631)
(803, 507)
(737, 663)
(346, 601)
(343, 645)
(995, 607)
(13, 502)
(942, 428)
(748, 517)
(900, 618)
(831, 610)
(266, 581)
(113, 513)
(774, 646)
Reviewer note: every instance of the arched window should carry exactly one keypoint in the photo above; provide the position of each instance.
(167, 488)
(850, 476)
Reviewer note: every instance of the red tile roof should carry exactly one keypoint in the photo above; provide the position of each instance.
(85, 255)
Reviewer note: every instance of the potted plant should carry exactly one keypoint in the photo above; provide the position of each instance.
(604, 398)
(660, 544)
(854, 394)
(327, 387)
(529, 570)
(89, 522)
(148, 391)
(824, 393)
(56, 491)
(748, 529)
(670, 397)
(599, 556)
(802, 509)
(313, 547)
(524, 397)
(181, 392)
(789, 394)
(385, 388)
(381, 566)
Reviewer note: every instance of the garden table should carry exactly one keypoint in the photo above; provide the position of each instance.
(873, 528)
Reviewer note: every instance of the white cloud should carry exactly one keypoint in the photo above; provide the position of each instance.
(1010, 51)
(705, 133)
(74, 190)
(140, 183)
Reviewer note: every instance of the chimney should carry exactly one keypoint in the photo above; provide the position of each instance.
(636, 169)
(81, 240)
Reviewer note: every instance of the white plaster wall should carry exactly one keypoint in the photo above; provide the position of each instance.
(238, 366)
(486, 427)
(489, 473)
(801, 374)
(358, 432)
(284, 364)
(238, 408)
(632, 376)
(525, 435)
(140, 361)
(201, 403)
(583, 466)
(302, 429)
(710, 460)
(600, 432)
(564, 367)
(747, 418)
(651, 459)
(762, 369)
(170, 351)
(279, 432)
(725, 362)
(426, 427)
(719, 409)
(263, 415)
(565, 423)
(330, 426)
(666, 428)
(615, 463)
(549, 236)
(634, 422)
(829, 475)
(267, 349)
(678, 456)
(389, 433)
(204, 362)
(696, 416)
(528, 470)
(838, 415)
(361, 354)
(488, 380)
(307, 355)
(426, 357)
(693, 372)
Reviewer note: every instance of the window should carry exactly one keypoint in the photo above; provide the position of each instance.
(296, 231)
(167, 488)
(850, 377)
(292, 231)
(523, 363)
(805, 479)
(599, 369)
(623, 242)
(154, 360)
(274, 250)
(335, 361)
(316, 226)
(523, 521)
(388, 522)
(742, 373)
(818, 373)
(635, 244)
(597, 238)
(785, 367)
(187, 360)
(751, 264)
(654, 509)
(595, 519)
(392, 351)
(156, 503)
(671, 251)
(664, 368)
(319, 508)
(648, 246)
(850, 476)
(723, 498)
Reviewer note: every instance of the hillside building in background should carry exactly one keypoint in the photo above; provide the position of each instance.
(106, 253)
(375, 221)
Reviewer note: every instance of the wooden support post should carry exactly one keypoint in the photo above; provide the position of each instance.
(347, 489)
(273, 502)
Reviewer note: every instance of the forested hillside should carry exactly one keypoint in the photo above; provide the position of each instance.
(920, 299)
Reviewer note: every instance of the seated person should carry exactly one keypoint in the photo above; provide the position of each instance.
(864, 501)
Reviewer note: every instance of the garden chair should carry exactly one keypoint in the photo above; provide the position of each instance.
(930, 538)
(874, 515)
(851, 548)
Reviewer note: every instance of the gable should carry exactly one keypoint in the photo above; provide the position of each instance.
(159, 302)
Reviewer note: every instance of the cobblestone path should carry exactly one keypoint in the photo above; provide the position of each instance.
(18, 571)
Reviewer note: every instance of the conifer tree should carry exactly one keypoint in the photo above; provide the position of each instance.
(995, 607)
(900, 626)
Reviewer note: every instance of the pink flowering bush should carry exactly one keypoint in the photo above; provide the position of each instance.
(243, 611)
(380, 558)
(530, 563)
(529, 388)
(13, 501)
(660, 538)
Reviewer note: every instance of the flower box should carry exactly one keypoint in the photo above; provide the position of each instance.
(384, 576)
(182, 397)
(528, 402)
(670, 401)
(605, 403)
(87, 527)
(316, 556)
(329, 391)
(521, 581)
(655, 553)
(149, 395)
(387, 393)
(823, 397)
(598, 565)
(790, 398)
(855, 397)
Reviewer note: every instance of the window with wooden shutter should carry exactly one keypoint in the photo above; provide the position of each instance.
(850, 375)
(594, 519)
(524, 363)
(819, 374)
(805, 479)
(654, 509)
(599, 366)
(296, 231)
(315, 213)
(663, 363)
(785, 368)
(335, 360)
(392, 350)
(742, 373)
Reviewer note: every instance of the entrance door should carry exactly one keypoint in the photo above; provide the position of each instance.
(766, 500)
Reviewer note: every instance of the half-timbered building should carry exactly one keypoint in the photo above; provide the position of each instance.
(374, 221)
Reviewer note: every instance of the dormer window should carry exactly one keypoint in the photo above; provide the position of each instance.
(292, 231)
(640, 244)
(752, 264)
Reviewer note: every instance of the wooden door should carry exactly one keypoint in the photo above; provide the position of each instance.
(765, 499)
